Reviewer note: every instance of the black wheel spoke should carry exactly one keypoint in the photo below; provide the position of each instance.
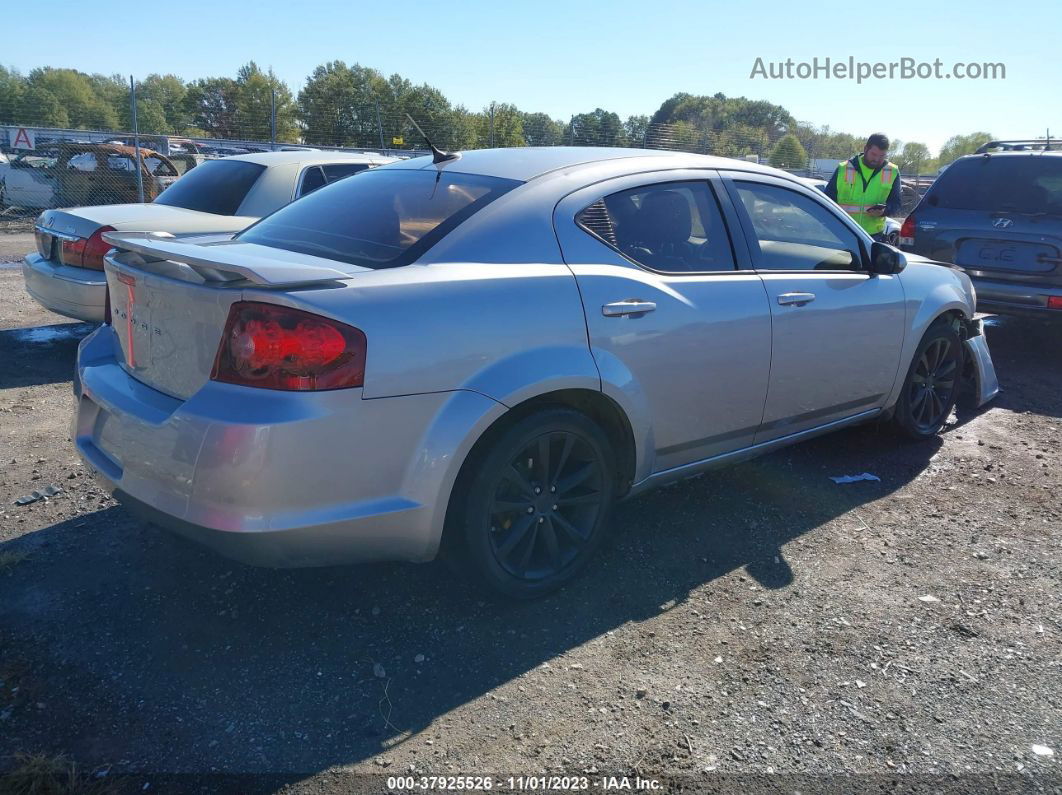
(571, 530)
(591, 498)
(569, 482)
(569, 443)
(516, 477)
(549, 537)
(509, 506)
(515, 535)
(919, 401)
(946, 369)
(923, 408)
(529, 548)
(938, 406)
(543, 459)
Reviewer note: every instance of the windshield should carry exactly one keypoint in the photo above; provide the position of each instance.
(216, 186)
(382, 218)
(1010, 184)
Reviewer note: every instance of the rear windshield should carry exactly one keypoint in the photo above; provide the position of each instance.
(216, 186)
(382, 218)
(1016, 184)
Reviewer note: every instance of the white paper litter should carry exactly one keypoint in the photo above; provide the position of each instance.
(853, 478)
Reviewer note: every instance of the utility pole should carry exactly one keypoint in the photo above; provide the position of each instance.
(492, 125)
(273, 118)
(136, 143)
(379, 125)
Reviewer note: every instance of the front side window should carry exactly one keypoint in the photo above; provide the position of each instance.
(672, 227)
(383, 219)
(795, 232)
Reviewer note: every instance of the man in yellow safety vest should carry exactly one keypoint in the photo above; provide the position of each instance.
(868, 186)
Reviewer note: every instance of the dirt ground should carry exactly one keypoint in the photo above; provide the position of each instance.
(759, 628)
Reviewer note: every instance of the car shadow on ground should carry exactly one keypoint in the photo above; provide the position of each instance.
(144, 648)
(41, 354)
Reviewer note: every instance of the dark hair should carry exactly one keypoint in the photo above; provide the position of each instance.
(880, 140)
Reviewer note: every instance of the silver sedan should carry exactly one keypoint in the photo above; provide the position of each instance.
(477, 355)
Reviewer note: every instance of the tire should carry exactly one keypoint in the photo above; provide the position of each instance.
(893, 239)
(523, 544)
(933, 382)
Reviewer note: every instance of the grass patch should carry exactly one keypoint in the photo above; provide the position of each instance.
(41, 774)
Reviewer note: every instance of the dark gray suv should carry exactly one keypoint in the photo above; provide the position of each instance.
(997, 214)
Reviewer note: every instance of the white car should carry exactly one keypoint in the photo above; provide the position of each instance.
(222, 196)
(26, 180)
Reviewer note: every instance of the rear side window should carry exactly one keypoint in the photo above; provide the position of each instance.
(86, 161)
(312, 179)
(671, 227)
(383, 219)
(216, 186)
(1020, 184)
(336, 171)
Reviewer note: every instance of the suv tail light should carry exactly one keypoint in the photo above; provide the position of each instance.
(1054, 302)
(86, 252)
(275, 347)
(907, 231)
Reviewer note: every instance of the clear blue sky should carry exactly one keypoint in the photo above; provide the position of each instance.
(570, 57)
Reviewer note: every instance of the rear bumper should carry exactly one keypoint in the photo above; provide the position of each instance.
(79, 293)
(1016, 298)
(271, 478)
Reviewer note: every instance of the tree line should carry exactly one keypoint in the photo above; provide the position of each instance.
(357, 106)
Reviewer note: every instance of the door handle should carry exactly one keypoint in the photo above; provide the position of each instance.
(632, 306)
(785, 299)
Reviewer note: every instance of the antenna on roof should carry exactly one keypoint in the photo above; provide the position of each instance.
(437, 154)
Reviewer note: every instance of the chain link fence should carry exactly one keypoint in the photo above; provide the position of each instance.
(115, 142)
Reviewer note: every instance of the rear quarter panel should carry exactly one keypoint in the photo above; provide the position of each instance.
(508, 331)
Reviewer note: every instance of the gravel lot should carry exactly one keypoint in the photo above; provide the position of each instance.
(757, 620)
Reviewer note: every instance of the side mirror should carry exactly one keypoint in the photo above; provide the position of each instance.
(885, 260)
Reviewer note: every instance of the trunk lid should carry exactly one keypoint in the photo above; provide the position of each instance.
(80, 222)
(170, 299)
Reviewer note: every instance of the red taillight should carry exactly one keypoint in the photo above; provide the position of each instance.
(274, 347)
(86, 252)
(907, 231)
(1054, 302)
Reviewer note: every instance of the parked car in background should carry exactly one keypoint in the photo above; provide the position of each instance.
(28, 179)
(997, 215)
(479, 354)
(83, 173)
(221, 196)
